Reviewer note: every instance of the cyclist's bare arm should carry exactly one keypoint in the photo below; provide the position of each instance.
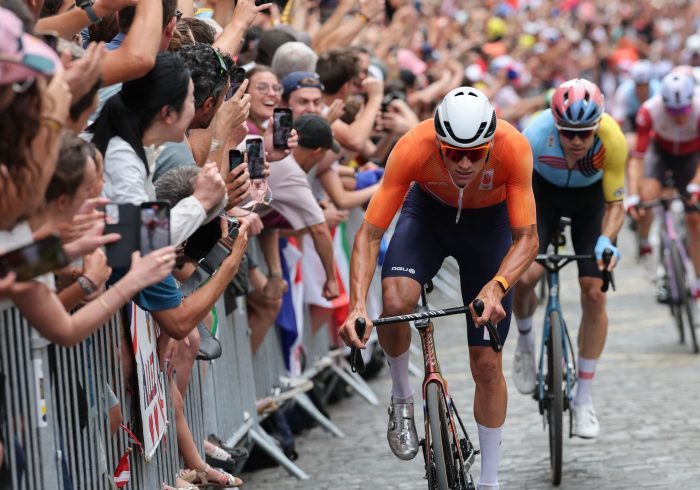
(518, 259)
(362, 266)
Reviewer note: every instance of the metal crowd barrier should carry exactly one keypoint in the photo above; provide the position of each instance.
(54, 419)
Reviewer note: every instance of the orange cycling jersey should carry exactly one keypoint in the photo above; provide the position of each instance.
(507, 176)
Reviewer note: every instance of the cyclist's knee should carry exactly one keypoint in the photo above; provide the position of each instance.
(486, 369)
(591, 295)
(399, 296)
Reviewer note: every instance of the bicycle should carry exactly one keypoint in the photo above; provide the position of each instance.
(448, 457)
(554, 389)
(679, 274)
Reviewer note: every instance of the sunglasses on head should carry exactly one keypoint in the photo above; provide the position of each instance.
(457, 154)
(571, 133)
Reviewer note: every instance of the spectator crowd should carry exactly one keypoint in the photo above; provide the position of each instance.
(126, 102)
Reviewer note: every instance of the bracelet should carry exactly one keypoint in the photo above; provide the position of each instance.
(362, 16)
(273, 275)
(104, 305)
(503, 282)
(120, 292)
(51, 123)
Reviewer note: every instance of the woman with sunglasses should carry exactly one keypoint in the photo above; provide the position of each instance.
(466, 179)
(579, 156)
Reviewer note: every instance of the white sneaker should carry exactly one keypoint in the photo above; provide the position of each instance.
(585, 422)
(524, 371)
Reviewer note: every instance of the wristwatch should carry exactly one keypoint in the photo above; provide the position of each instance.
(214, 258)
(86, 5)
(86, 285)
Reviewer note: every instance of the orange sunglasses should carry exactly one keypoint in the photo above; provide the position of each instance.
(472, 154)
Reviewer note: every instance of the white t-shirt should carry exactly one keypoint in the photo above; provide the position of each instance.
(126, 181)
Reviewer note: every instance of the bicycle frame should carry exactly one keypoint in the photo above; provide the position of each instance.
(668, 234)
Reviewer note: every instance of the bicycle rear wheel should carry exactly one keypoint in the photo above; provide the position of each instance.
(442, 472)
(555, 395)
(685, 300)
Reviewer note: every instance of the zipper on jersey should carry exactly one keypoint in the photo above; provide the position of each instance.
(459, 205)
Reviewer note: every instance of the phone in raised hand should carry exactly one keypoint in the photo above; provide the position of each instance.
(235, 158)
(34, 259)
(155, 226)
(281, 127)
(255, 149)
(236, 76)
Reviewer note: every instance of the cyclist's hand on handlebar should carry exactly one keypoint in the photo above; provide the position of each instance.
(491, 295)
(601, 245)
(347, 330)
(631, 205)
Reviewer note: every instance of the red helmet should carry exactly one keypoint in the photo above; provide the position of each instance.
(578, 102)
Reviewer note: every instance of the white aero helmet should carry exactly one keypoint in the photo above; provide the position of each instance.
(677, 90)
(642, 71)
(465, 118)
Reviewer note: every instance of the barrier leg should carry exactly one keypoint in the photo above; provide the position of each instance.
(342, 369)
(305, 403)
(269, 445)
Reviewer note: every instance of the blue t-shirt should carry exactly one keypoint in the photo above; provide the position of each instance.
(163, 295)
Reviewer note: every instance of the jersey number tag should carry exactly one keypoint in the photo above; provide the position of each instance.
(486, 183)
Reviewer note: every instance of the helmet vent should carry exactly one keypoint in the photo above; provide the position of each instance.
(492, 126)
(438, 125)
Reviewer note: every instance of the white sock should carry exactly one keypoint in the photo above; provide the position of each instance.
(401, 389)
(526, 339)
(586, 371)
(490, 446)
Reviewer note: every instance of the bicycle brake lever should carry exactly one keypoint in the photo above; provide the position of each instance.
(494, 338)
(608, 278)
(357, 364)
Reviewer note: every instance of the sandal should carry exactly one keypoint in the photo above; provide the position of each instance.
(219, 458)
(203, 481)
(236, 453)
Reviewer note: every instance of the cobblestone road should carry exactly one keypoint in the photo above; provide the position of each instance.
(646, 392)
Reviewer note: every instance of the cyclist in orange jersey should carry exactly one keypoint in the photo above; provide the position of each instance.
(465, 181)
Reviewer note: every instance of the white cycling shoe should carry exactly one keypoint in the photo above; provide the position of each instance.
(585, 421)
(524, 371)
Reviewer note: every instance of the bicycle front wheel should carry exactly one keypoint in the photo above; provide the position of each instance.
(555, 395)
(675, 277)
(441, 472)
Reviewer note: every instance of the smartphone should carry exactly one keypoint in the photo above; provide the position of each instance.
(236, 76)
(35, 259)
(154, 229)
(235, 158)
(256, 157)
(122, 219)
(281, 127)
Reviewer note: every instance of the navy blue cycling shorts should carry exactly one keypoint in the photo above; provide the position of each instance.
(426, 234)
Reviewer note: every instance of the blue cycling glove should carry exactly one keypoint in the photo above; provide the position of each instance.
(603, 243)
(368, 178)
